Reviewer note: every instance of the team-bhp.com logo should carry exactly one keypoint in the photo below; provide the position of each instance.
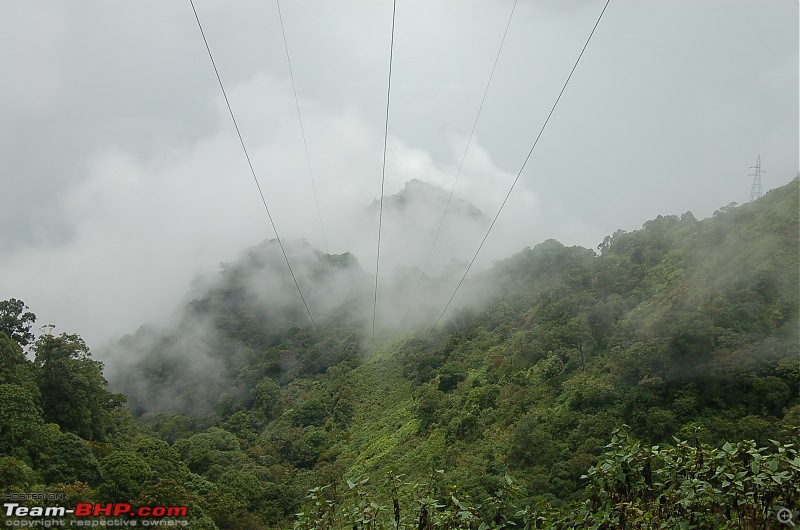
(94, 514)
(84, 509)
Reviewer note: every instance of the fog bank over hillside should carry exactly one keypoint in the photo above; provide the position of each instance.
(123, 176)
(257, 289)
(688, 292)
(252, 303)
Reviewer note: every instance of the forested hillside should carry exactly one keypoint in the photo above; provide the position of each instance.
(653, 382)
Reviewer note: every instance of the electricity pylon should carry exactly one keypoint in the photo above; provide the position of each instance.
(755, 191)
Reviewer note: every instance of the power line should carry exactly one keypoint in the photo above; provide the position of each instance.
(519, 173)
(383, 174)
(308, 159)
(461, 165)
(249, 163)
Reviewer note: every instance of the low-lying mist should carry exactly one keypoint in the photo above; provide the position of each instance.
(684, 282)
(233, 316)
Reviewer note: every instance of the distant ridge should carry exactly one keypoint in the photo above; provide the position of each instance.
(419, 194)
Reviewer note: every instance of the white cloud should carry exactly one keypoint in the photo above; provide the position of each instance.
(122, 175)
(143, 226)
(34, 81)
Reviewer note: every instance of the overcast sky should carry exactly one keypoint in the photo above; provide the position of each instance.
(122, 177)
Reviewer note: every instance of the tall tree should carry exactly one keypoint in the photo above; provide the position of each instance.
(16, 322)
(74, 392)
(20, 419)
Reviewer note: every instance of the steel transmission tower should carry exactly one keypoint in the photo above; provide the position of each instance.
(755, 191)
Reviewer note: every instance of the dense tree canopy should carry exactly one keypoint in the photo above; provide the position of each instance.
(73, 389)
(678, 342)
(16, 322)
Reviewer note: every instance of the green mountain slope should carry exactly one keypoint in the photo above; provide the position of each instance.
(683, 328)
(681, 323)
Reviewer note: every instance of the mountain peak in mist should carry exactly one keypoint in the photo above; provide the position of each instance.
(418, 195)
(412, 221)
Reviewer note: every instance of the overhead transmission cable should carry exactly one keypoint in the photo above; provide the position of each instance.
(519, 173)
(383, 175)
(252, 170)
(308, 158)
(461, 165)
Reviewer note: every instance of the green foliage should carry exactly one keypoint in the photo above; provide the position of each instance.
(11, 360)
(244, 485)
(533, 442)
(16, 322)
(209, 453)
(310, 413)
(71, 460)
(429, 402)
(168, 427)
(303, 446)
(634, 485)
(15, 475)
(680, 324)
(266, 395)
(125, 474)
(73, 389)
(20, 421)
(198, 485)
(691, 485)
(227, 511)
(401, 505)
(163, 460)
(164, 492)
